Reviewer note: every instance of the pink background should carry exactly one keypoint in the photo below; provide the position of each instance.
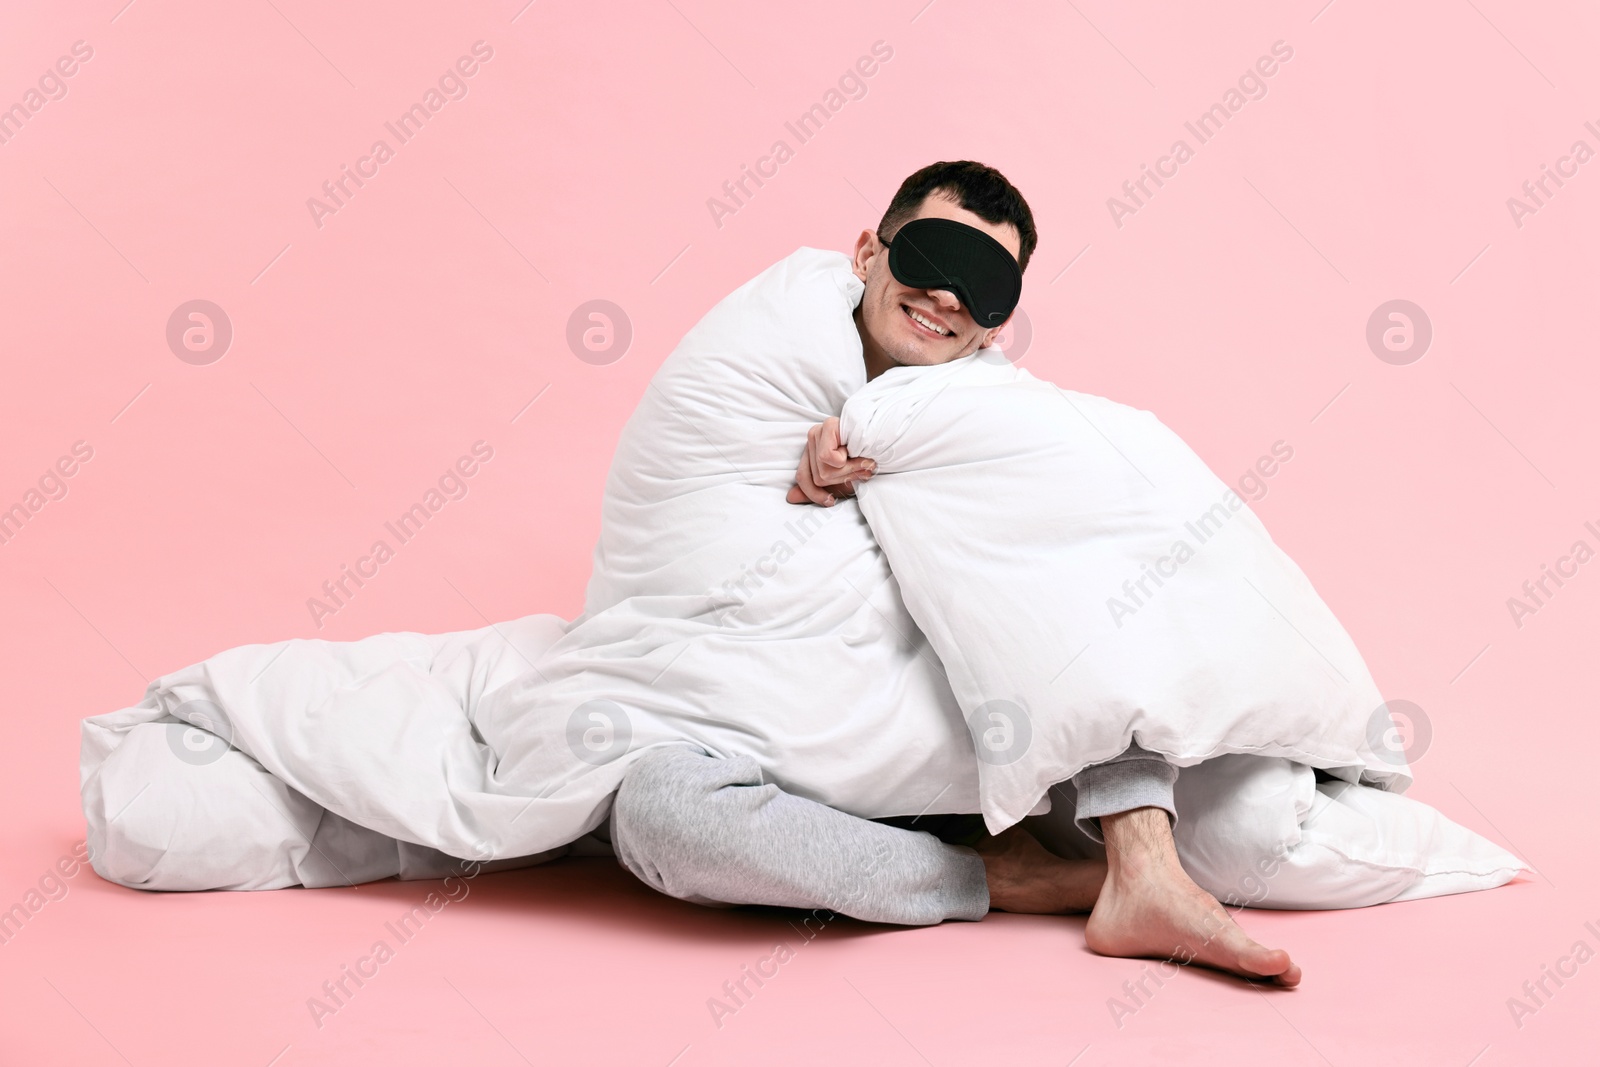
(370, 352)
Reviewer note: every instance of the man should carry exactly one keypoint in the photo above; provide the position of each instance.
(708, 830)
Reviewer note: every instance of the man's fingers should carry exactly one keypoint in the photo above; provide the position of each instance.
(805, 488)
(831, 469)
(811, 462)
(810, 489)
(810, 492)
(831, 451)
(829, 461)
(855, 470)
(824, 463)
(826, 471)
(830, 434)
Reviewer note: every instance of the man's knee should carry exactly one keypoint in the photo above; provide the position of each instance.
(663, 808)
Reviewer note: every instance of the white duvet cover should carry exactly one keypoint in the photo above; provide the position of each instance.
(1088, 582)
(721, 616)
(718, 615)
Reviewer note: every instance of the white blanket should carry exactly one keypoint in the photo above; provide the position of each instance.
(719, 615)
(1088, 582)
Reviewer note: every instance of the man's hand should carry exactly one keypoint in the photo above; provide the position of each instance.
(826, 473)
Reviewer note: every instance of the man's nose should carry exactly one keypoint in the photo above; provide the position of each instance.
(945, 299)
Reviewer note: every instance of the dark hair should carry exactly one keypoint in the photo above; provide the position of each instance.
(981, 190)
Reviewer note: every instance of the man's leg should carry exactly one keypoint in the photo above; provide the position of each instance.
(707, 830)
(1136, 779)
(1149, 906)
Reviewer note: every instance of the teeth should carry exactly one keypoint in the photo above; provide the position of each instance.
(936, 329)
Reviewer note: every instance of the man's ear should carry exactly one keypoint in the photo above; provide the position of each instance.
(867, 246)
(990, 335)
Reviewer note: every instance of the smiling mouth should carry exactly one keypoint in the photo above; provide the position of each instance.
(925, 324)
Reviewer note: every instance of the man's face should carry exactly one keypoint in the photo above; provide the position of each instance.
(919, 327)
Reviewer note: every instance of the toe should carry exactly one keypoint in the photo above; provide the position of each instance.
(1273, 963)
(1265, 961)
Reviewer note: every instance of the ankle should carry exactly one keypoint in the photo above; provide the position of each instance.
(1139, 843)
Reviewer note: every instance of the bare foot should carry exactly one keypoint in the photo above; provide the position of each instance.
(1150, 907)
(1024, 877)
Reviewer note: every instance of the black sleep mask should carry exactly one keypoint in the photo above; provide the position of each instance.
(945, 254)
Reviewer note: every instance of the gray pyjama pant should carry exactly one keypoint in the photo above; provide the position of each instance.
(710, 831)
